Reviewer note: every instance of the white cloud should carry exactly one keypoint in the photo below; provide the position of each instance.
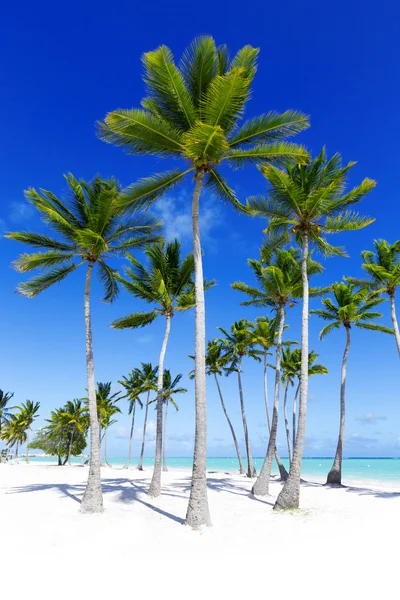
(370, 419)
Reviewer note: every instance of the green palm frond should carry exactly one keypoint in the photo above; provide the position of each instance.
(40, 283)
(41, 260)
(278, 153)
(204, 143)
(108, 279)
(219, 186)
(347, 221)
(149, 189)
(270, 127)
(135, 320)
(198, 67)
(39, 241)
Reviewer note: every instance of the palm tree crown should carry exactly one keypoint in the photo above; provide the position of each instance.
(383, 266)
(170, 388)
(5, 414)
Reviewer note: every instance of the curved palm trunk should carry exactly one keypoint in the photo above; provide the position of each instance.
(294, 415)
(287, 423)
(282, 471)
(198, 513)
(394, 321)
(165, 468)
(128, 460)
(140, 464)
(155, 485)
(16, 452)
(290, 493)
(68, 457)
(335, 474)
(261, 486)
(241, 467)
(105, 449)
(92, 501)
(251, 470)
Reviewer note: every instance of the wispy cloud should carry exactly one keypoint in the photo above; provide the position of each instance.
(370, 419)
(357, 438)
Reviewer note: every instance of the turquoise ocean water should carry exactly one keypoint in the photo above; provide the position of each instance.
(354, 469)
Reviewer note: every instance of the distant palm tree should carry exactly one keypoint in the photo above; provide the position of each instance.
(133, 388)
(169, 389)
(279, 285)
(308, 202)
(148, 383)
(191, 112)
(14, 432)
(5, 414)
(384, 269)
(239, 343)
(352, 309)
(91, 229)
(106, 409)
(73, 416)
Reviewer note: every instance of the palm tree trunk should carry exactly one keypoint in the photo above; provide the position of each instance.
(16, 452)
(165, 468)
(241, 467)
(92, 501)
(335, 474)
(128, 460)
(105, 449)
(282, 471)
(155, 485)
(261, 486)
(251, 470)
(27, 451)
(140, 465)
(289, 496)
(287, 422)
(198, 513)
(295, 415)
(394, 321)
(67, 458)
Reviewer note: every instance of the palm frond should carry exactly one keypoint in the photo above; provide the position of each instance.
(278, 153)
(270, 127)
(145, 191)
(134, 321)
(108, 279)
(40, 283)
(41, 260)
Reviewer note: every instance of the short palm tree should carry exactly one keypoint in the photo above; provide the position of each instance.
(90, 229)
(169, 390)
(351, 308)
(5, 414)
(192, 112)
(239, 343)
(73, 416)
(14, 432)
(279, 286)
(308, 202)
(383, 266)
(148, 383)
(133, 388)
(167, 282)
(106, 409)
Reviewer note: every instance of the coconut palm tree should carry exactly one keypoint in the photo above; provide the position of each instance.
(383, 266)
(148, 383)
(28, 412)
(351, 308)
(73, 417)
(133, 388)
(169, 390)
(238, 344)
(192, 112)
(167, 282)
(15, 432)
(90, 229)
(5, 414)
(308, 202)
(106, 409)
(279, 286)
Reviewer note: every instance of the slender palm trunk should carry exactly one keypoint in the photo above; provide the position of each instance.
(92, 501)
(165, 468)
(335, 474)
(155, 485)
(282, 471)
(27, 452)
(290, 493)
(394, 321)
(251, 470)
(261, 486)
(241, 467)
(140, 465)
(68, 457)
(294, 416)
(128, 460)
(105, 449)
(198, 513)
(287, 422)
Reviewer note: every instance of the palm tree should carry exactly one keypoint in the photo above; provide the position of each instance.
(73, 416)
(239, 343)
(169, 389)
(148, 383)
(308, 202)
(133, 388)
(28, 412)
(191, 112)
(352, 309)
(384, 269)
(167, 282)
(5, 414)
(91, 229)
(14, 432)
(106, 409)
(279, 285)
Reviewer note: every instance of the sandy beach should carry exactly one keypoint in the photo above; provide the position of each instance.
(341, 542)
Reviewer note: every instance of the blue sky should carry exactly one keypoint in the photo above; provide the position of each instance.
(65, 66)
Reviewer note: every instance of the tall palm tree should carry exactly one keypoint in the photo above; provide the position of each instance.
(383, 266)
(239, 343)
(28, 412)
(148, 383)
(279, 285)
(351, 308)
(133, 388)
(90, 229)
(73, 416)
(308, 202)
(5, 414)
(192, 112)
(169, 390)
(167, 282)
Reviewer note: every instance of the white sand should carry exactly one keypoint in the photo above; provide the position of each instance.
(343, 543)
